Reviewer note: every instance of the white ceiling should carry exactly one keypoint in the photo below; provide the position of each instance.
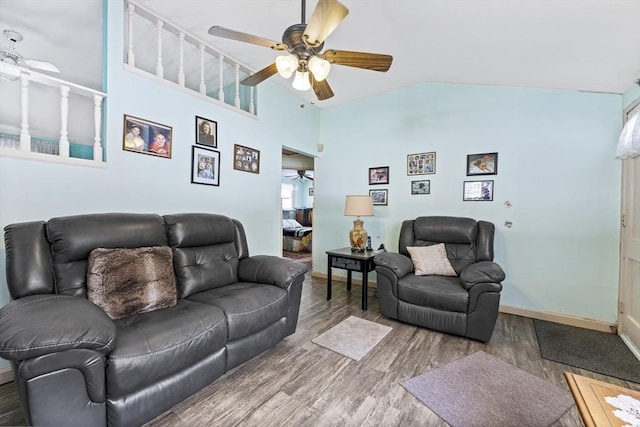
(586, 45)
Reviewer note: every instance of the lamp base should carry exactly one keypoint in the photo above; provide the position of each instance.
(358, 236)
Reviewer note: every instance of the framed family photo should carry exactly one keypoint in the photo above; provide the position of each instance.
(477, 191)
(379, 196)
(206, 132)
(246, 159)
(421, 163)
(482, 164)
(146, 137)
(421, 187)
(205, 166)
(379, 175)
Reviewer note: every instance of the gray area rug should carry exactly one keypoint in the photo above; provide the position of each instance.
(481, 390)
(587, 349)
(353, 337)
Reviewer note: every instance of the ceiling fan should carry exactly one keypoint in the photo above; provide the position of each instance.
(9, 54)
(302, 175)
(304, 43)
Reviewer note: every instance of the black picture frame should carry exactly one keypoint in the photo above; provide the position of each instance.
(379, 175)
(482, 164)
(379, 197)
(421, 187)
(205, 166)
(204, 137)
(477, 191)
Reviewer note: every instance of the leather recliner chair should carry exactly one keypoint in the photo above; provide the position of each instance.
(465, 304)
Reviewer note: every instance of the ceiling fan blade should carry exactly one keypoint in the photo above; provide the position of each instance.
(244, 37)
(41, 65)
(326, 17)
(261, 75)
(322, 89)
(368, 61)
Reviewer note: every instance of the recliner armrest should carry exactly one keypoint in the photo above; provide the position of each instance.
(271, 270)
(481, 272)
(399, 264)
(41, 324)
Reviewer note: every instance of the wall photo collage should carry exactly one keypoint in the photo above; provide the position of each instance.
(147, 137)
(425, 164)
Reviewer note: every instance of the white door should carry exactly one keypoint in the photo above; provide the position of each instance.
(629, 313)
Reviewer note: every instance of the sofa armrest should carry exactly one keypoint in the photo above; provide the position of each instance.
(41, 324)
(271, 270)
(481, 272)
(399, 264)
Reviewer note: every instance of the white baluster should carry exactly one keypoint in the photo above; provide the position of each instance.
(159, 66)
(181, 69)
(203, 86)
(131, 57)
(221, 72)
(63, 144)
(237, 99)
(97, 120)
(25, 138)
(251, 106)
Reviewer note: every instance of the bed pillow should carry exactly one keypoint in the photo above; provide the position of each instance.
(431, 260)
(290, 223)
(124, 282)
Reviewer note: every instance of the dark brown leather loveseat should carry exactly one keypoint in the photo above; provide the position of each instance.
(75, 365)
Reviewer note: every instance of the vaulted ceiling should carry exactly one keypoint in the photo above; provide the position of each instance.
(585, 45)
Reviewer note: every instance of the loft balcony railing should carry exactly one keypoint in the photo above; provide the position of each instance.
(18, 139)
(160, 50)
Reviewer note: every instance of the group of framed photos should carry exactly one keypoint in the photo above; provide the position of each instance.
(378, 176)
(425, 164)
(147, 137)
(480, 164)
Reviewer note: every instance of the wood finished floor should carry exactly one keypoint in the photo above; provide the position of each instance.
(298, 383)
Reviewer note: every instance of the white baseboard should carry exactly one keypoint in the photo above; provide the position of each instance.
(564, 319)
(6, 375)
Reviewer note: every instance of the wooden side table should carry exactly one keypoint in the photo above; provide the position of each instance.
(344, 259)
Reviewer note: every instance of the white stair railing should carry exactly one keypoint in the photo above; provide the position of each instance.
(49, 145)
(195, 74)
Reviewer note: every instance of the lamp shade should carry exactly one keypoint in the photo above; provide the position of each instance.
(629, 143)
(319, 68)
(356, 205)
(301, 81)
(286, 65)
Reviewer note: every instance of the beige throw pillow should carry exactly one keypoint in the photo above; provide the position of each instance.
(124, 282)
(431, 260)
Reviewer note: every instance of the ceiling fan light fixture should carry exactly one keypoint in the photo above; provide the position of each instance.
(286, 65)
(319, 68)
(301, 81)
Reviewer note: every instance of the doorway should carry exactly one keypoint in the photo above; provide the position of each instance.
(629, 307)
(297, 194)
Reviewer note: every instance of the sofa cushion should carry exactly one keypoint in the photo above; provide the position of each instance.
(205, 251)
(429, 260)
(249, 307)
(124, 282)
(156, 345)
(438, 292)
(73, 238)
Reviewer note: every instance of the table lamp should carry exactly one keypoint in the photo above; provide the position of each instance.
(358, 206)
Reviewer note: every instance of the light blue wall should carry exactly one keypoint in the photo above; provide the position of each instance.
(556, 166)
